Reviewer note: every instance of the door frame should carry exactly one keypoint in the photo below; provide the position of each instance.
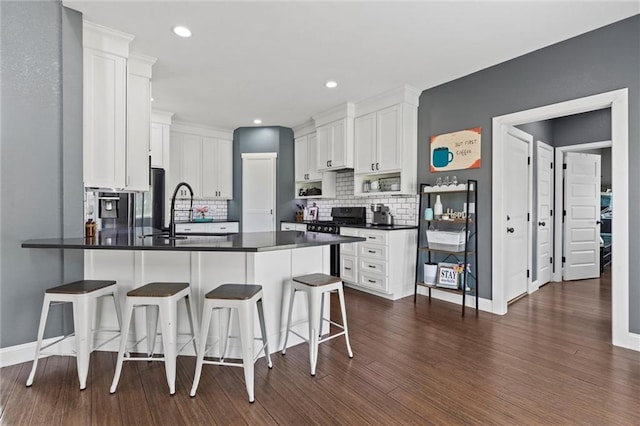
(261, 156)
(536, 285)
(618, 101)
(559, 201)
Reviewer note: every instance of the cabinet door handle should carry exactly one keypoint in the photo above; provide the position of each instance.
(541, 223)
(348, 269)
(371, 281)
(510, 230)
(372, 266)
(371, 251)
(372, 168)
(377, 166)
(327, 163)
(372, 238)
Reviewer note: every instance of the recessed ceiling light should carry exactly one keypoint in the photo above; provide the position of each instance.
(331, 84)
(152, 99)
(182, 31)
(257, 121)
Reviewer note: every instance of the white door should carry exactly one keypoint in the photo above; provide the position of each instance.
(365, 143)
(516, 195)
(545, 205)
(312, 153)
(225, 169)
(259, 192)
(582, 216)
(338, 144)
(301, 158)
(389, 139)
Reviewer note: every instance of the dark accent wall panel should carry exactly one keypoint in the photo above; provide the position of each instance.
(265, 139)
(599, 61)
(41, 176)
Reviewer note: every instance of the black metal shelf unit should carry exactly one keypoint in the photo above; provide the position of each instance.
(453, 197)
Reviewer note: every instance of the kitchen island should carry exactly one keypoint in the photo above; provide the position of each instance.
(270, 259)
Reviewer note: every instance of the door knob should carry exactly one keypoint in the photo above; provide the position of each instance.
(510, 230)
(541, 224)
(598, 222)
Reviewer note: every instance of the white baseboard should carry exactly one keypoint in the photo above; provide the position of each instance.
(22, 353)
(630, 341)
(483, 304)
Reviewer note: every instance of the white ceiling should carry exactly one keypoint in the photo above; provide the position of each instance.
(271, 59)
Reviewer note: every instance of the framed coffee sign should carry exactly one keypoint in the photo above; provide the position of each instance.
(456, 151)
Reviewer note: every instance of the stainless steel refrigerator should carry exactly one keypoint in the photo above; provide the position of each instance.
(128, 209)
(150, 205)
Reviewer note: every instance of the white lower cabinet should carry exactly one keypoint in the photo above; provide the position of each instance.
(384, 264)
(292, 226)
(207, 228)
(348, 268)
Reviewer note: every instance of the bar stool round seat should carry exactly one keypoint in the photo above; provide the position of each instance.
(242, 298)
(83, 296)
(316, 286)
(160, 300)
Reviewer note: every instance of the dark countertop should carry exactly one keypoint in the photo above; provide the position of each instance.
(365, 226)
(207, 221)
(130, 239)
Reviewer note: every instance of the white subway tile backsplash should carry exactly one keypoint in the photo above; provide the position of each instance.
(216, 209)
(404, 208)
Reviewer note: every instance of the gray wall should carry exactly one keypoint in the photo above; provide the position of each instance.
(41, 160)
(594, 126)
(599, 61)
(265, 139)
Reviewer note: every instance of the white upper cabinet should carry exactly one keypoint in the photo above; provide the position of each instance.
(105, 54)
(306, 166)
(386, 143)
(186, 163)
(160, 139)
(138, 122)
(378, 141)
(217, 168)
(334, 131)
(203, 158)
(116, 111)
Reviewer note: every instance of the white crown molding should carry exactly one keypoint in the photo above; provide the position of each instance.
(201, 129)
(162, 117)
(106, 39)
(305, 128)
(345, 110)
(140, 64)
(405, 94)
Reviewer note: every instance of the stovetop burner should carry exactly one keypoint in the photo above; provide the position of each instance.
(341, 216)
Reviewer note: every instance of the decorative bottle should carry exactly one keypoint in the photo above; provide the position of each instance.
(437, 207)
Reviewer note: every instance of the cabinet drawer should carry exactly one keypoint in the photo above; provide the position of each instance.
(374, 281)
(376, 237)
(373, 251)
(223, 227)
(348, 269)
(367, 265)
(350, 249)
(191, 227)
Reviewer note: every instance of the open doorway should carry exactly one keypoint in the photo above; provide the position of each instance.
(603, 151)
(618, 102)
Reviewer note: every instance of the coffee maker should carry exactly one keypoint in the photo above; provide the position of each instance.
(381, 215)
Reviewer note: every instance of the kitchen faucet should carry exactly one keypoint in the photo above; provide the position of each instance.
(172, 220)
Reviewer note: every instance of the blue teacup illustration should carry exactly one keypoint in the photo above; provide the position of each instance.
(442, 157)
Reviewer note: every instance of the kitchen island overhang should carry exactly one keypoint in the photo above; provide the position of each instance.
(270, 259)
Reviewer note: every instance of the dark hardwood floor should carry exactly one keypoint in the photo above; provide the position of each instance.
(549, 361)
